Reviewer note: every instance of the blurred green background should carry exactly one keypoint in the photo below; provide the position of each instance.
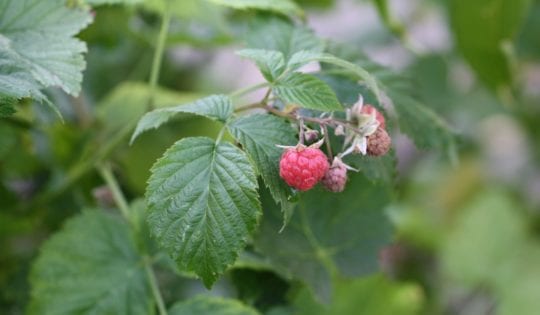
(467, 232)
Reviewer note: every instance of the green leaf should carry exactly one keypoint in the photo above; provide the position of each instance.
(380, 169)
(422, 124)
(259, 135)
(274, 33)
(205, 305)
(482, 28)
(271, 63)
(90, 267)
(16, 80)
(416, 119)
(303, 57)
(306, 91)
(101, 2)
(287, 7)
(473, 244)
(38, 35)
(365, 296)
(329, 235)
(216, 107)
(7, 105)
(203, 204)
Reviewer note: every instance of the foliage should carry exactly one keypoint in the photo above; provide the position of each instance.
(166, 197)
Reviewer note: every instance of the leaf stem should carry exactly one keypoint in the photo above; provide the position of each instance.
(221, 133)
(112, 183)
(158, 56)
(154, 286)
(247, 90)
(106, 172)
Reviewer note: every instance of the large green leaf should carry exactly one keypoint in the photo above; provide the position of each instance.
(259, 135)
(493, 231)
(203, 204)
(481, 29)
(280, 6)
(273, 33)
(38, 37)
(204, 305)
(306, 91)
(90, 267)
(270, 62)
(217, 107)
(329, 235)
(473, 244)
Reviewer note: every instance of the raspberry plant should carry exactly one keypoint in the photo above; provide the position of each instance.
(220, 189)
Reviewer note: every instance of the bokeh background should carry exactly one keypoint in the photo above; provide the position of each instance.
(467, 228)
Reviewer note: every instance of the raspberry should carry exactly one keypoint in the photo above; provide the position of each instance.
(368, 110)
(302, 167)
(336, 177)
(378, 143)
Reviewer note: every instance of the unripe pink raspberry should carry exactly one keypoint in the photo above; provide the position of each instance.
(336, 177)
(378, 143)
(368, 110)
(302, 167)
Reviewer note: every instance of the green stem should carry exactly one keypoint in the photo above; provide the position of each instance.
(154, 286)
(248, 89)
(221, 133)
(158, 56)
(112, 183)
(120, 200)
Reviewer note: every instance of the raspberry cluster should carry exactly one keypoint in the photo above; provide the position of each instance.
(302, 167)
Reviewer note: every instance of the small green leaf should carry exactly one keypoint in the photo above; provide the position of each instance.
(274, 33)
(287, 7)
(216, 107)
(90, 267)
(271, 63)
(329, 235)
(306, 91)
(205, 305)
(259, 135)
(203, 204)
(303, 57)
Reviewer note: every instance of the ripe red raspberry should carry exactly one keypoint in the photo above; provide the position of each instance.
(302, 167)
(336, 177)
(378, 143)
(368, 109)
